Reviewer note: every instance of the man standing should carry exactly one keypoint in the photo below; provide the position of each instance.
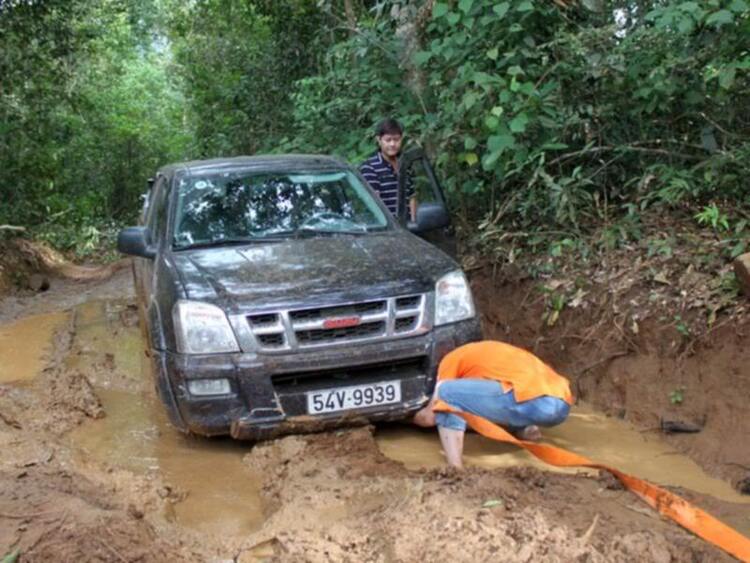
(499, 382)
(381, 170)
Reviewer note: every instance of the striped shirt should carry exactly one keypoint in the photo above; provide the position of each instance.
(384, 180)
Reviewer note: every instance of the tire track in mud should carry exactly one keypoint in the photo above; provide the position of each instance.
(52, 509)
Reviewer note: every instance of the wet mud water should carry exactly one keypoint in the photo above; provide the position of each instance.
(25, 343)
(586, 432)
(219, 492)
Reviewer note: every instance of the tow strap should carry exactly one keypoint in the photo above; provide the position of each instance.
(668, 504)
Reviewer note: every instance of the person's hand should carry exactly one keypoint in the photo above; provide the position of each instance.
(425, 417)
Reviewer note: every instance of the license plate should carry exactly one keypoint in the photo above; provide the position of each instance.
(354, 397)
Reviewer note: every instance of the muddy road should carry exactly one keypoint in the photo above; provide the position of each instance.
(92, 471)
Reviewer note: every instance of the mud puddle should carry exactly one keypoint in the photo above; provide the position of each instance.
(219, 494)
(586, 432)
(24, 344)
(223, 496)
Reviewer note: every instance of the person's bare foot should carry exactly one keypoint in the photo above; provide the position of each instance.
(529, 433)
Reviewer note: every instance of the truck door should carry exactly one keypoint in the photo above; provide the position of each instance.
(432, 222)
(155, 220)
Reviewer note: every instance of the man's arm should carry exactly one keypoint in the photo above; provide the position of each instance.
(448, 369)
(426, 416)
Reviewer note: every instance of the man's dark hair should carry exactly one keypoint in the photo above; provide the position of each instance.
(388, 126)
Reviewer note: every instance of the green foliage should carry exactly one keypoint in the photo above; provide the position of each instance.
(239, 61)
(733, 235)
(677, 396)
(546, 124)
(681, 326)
(88, 109)
(555, 302)
(91, 237)
(660, 247)
(711, 215)
(361, 81)
(551, 119)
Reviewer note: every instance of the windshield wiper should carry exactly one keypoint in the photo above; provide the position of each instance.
(238, 241)
(311, 231)
(277, 236)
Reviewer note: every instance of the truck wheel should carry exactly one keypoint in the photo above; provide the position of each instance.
(164, 392)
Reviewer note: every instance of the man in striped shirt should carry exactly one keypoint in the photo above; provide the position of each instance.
(381, 169)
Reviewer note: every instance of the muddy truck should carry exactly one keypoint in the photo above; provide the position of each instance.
(278, 294)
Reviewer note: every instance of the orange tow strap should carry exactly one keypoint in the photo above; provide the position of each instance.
(668, 504)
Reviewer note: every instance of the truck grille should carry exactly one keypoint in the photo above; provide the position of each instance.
(349, 375)
(394, 317)
(332, 335)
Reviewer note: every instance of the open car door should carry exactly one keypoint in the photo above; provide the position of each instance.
(416, 179)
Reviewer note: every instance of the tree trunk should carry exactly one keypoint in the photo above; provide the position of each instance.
(351, 16)
(411, 20)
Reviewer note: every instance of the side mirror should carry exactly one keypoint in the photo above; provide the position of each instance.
(430, 217)
(134, 241)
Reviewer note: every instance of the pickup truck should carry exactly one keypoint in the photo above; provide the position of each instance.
(279, 295)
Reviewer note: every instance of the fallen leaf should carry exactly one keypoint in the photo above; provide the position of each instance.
(577, 298)
(661, 277)
(552, 319)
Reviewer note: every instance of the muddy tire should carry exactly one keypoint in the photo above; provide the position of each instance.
(166, 396)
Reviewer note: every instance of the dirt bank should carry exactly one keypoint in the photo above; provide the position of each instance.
(36, 279)
(638, 363)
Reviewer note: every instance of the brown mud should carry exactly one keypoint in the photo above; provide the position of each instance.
(30, 333)
(67, 284)
(337, 497)
(92, 471)
(55, 509)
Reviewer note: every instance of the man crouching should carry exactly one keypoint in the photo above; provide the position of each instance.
(501, 383)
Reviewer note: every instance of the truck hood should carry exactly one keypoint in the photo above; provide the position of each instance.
(315, 270)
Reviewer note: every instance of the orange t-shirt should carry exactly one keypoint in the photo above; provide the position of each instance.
(514, 368)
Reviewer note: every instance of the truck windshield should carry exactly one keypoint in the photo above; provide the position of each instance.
(232, 207)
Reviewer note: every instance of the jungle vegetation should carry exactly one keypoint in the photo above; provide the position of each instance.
(548, 120)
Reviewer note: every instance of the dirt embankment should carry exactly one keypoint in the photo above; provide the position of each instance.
(654, 362)
(35, 279)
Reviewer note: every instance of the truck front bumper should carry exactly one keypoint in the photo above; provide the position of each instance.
(268, 391)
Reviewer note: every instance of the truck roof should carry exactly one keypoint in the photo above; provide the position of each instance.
(275, 162)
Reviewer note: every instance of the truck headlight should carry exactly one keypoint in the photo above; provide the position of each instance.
(201, 328)
(207, 387)
(453, 300)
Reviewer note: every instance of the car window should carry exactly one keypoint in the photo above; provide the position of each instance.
(156, 213)
(145, 199)
(243, 205)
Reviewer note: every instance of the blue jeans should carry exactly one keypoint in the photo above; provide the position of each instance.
(486, 398)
